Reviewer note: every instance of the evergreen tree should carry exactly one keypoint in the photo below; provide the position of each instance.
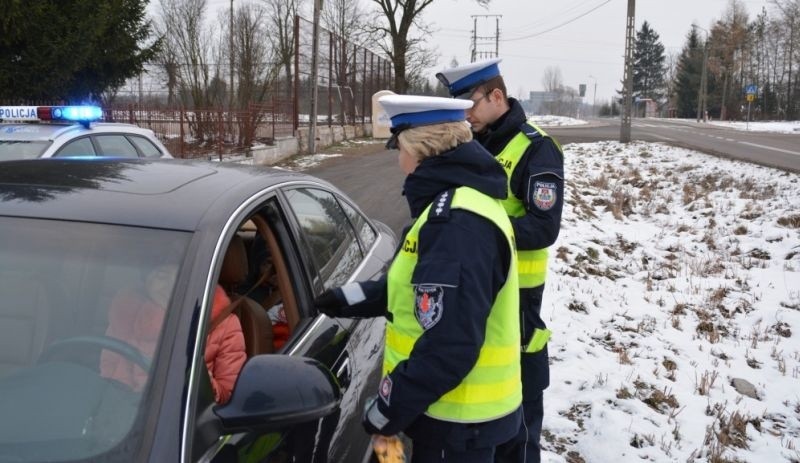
(687, 81)
(648, 65)
(71, 51)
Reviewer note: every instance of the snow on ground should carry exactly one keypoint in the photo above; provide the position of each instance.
(675, 274)
(554, 121)
(777, 127)
(300, 163)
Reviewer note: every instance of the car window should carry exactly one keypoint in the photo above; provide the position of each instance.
(80, 327)
(327, 233)
(116, 146)
(360, 223)
(80, 147)
(147, 148)
(19, 149)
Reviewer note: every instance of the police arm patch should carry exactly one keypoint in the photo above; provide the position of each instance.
(545, 195)
(428, 305)
(385, 390)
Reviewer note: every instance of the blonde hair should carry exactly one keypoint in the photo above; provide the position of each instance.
(432, 140)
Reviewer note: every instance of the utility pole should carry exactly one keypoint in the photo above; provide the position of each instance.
(312, 122)
(701, 92)
(625, 126)
(594, 97)
(475, 54)
(497, 37)
(230, 84)
(474, 39)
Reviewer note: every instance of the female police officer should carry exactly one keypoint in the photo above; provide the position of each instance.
(451, 359)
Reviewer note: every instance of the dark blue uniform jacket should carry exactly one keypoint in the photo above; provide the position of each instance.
(542, 162)
(469, 256)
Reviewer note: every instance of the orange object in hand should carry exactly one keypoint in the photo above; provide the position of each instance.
(388, 449)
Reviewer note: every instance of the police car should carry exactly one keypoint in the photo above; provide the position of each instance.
(29, 132)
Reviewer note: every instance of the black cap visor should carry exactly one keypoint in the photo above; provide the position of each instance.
(392, 144)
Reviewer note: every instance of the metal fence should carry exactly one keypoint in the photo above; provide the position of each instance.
(205, 132)
(348, 75)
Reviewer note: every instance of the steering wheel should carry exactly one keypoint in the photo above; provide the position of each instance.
(105, 342)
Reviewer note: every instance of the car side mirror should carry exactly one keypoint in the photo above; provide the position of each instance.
(276, 391)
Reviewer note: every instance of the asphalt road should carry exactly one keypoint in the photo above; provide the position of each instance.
(374, 181)
(770, 149)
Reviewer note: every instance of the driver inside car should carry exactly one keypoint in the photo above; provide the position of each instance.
(136, 317)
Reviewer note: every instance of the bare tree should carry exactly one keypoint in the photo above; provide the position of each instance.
(281, 14)
(669, 80)
(255, 66)
(729, 38)
(790, 24)
(255, 63)
(552, 81)
(346, 21)
(195, 69)
(406, 34)
(185, 33)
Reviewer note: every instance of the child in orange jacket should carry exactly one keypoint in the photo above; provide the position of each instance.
(137, 319)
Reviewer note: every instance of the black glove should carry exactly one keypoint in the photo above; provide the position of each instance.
(352, 301)
(374, 419)
(330, 302)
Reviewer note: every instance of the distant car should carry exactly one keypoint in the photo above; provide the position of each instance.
(28, 132)
(77, 233)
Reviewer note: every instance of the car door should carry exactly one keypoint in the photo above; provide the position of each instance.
(337, 242)
(311, 335)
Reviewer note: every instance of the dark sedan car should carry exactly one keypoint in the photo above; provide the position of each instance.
(122, 259)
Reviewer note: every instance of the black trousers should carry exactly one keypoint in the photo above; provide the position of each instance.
(443, 454)
(525, 446)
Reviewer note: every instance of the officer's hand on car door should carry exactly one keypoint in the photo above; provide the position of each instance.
(354, 300)
(339, 302)
(330, 302)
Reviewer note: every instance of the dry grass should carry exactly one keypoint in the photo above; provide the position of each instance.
(706, 382)
(600, 182)
(662, 401)
(622, 355)
(790, 221)
(749, 189)
(577, 306)
(622, 203)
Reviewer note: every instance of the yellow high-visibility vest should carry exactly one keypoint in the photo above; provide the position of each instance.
(492, 389)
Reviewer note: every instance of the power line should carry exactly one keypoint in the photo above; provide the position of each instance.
(559, 25)
(544, 20)
(565, 60)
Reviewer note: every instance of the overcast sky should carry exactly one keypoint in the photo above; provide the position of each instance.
(592, 45)
(591, 41)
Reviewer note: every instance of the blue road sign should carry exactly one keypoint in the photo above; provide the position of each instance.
(751, 89)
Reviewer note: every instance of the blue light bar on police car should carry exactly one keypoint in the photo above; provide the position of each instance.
(69, 113)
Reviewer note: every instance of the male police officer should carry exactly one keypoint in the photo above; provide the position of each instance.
(534, 164)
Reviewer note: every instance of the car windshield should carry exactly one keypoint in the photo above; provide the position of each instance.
(11, 150)
(80, 321)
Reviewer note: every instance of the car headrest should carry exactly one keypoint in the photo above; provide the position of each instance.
(234, 265)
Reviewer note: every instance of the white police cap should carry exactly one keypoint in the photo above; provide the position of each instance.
(460, 80)
(408, 111)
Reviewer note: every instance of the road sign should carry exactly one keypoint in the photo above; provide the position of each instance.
(751, 89)
(750, 97)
